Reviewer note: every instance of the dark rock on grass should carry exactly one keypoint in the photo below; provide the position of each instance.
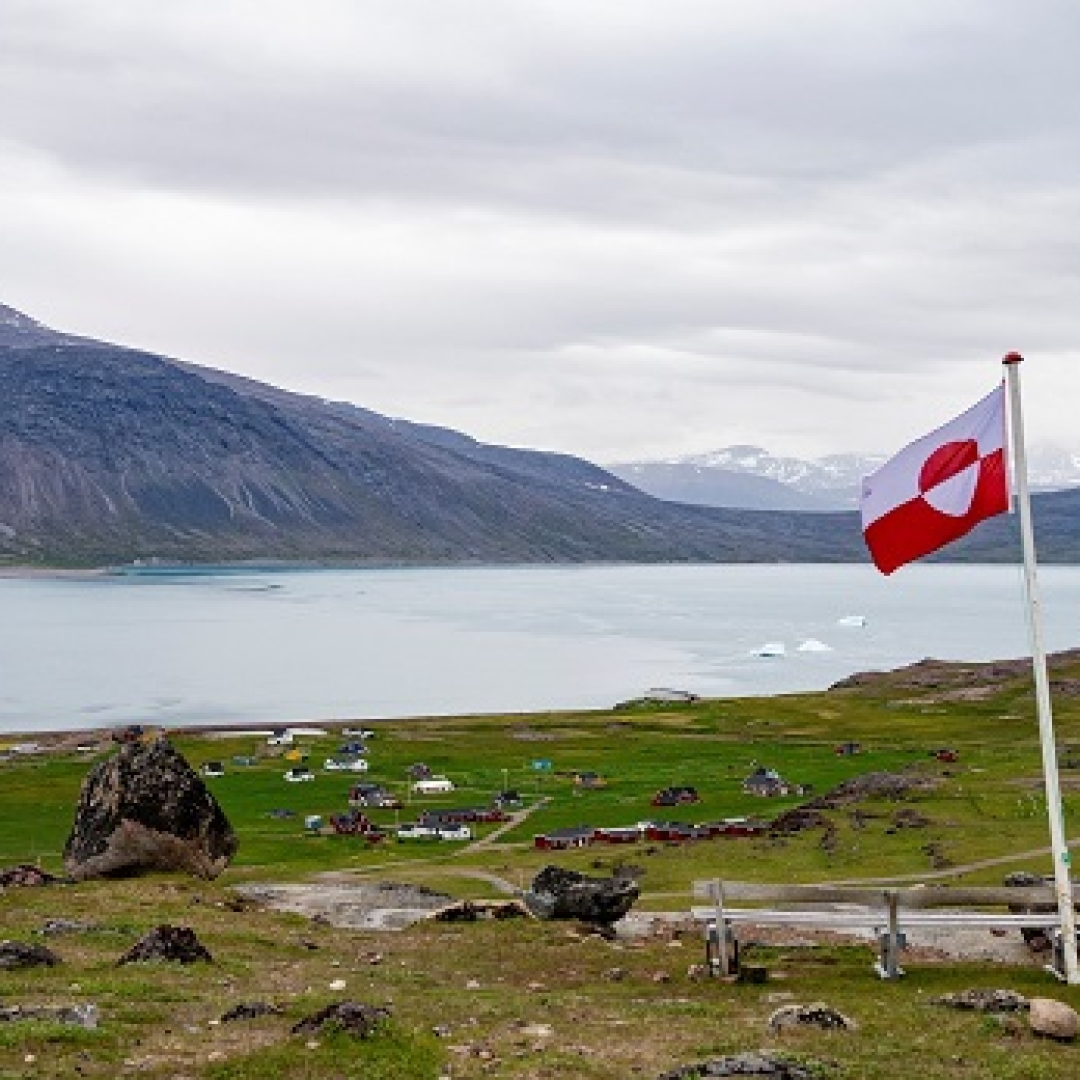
(475, 910)
(16, 954)
(565, 894)
(760, 1063)
(84, 1016)
(250, 1010)
(143, 809)
(993, 1001)
(24, 875)
(173, 943)
(817, 1014)
(349, 1016)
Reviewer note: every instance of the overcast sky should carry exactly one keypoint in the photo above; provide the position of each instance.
(617, 228)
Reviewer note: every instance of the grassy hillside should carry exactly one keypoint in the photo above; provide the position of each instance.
(478, 999)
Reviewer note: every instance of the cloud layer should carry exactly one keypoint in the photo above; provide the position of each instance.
(621, 229)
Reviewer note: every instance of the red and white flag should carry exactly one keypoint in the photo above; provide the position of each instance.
(939, 487)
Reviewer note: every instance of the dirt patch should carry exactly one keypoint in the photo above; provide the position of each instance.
(381, 905)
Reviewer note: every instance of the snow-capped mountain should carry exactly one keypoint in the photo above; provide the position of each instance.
(750, 477)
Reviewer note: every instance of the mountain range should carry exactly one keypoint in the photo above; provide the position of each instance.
(749, 477)
(111, 455)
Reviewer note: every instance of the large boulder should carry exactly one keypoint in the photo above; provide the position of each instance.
(143, 809)
(565, 894)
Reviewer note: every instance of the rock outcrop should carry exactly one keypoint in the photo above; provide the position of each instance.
(146, 809)
(176, 944)
(565, 894)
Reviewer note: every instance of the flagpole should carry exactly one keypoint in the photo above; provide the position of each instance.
(1062, 880)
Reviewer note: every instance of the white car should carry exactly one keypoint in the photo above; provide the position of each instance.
(299, 774)
(342, 764)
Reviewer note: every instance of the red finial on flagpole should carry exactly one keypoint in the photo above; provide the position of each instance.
(1012, 358)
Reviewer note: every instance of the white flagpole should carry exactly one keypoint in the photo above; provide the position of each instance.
(1062, 881)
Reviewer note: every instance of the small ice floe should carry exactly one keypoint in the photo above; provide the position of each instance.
(813, 645)
(771, 648)
(851, 620)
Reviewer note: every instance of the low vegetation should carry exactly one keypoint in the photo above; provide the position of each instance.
(523, 998)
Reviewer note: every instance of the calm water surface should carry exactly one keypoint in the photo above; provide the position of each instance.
(205, 648)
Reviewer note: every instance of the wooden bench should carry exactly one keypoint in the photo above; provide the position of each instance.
(886, 912)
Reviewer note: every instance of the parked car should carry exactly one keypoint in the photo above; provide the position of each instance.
(280, 737)
(351, 748)
(345, 764)
(213, 768)
(298, 774)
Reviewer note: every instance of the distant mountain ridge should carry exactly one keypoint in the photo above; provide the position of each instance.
(749, 477)
(110, 455)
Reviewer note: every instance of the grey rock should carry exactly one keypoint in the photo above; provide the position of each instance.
(759, 1063)
(994, 1001)
(1053, 1019)
(817, 1014)
(26, 875)
(349, 1016)
(249, 1010)
(174, 943)
(143, 809)
(565, 894)
(16, 954)
(84, 1016)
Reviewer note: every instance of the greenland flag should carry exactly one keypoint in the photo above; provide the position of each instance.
(939, 487)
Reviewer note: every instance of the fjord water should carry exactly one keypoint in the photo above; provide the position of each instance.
(257, 647)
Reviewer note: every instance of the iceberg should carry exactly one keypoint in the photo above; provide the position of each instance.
(771, 648)
(813, 645)
(851, 620)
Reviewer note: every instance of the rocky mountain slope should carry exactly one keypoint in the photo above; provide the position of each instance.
(108, 455)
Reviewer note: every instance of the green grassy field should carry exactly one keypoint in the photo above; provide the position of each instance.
(486, 986)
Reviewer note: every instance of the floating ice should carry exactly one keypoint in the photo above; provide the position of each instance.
(851, 620)
(771, 648)
(813, 645)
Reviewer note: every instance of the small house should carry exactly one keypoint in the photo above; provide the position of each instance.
(564, 839)
(768, 783)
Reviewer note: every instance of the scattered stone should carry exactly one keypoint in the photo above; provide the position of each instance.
(1054, 1019)
(338, 984)
(615, 974)
(660, 977)
(84, 1016)
(143, 809)
(173, 943)
(24, 876)
(557, 893)
(992, 1001)
(348, 1016)
(56, 927)
(16, 954)
(250, 1010)
(760, 1063)
(697, 972)
(817, 1014)
(475, 910)
(538, 1031)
